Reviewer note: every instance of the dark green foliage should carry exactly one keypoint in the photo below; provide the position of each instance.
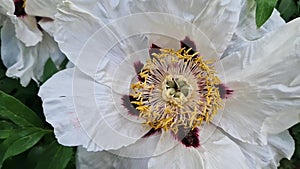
(264, 9)
(26, 140)
(289, 9)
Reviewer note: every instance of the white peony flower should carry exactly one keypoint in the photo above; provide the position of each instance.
(178, 84)
(25, 45)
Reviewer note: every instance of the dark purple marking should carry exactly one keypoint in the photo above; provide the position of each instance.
(188, 137)
(187, 43)
(129, 106)
(154, 49)
(224, 91)
(138, 66)
(19, 10)
(152, 132)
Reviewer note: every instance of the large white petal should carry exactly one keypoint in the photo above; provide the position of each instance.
(107, 160)
(7, 7)
(47, 25)
(268, 156)
(247, 30)
(71, 94)
(219, 151)
(42, 8)
(94, 160)
(218, 21)
(73, 27)
(18, 59)
(187, 10)
(106, 10)
(179, 157)
(143, 148)
(47, 48)
(264, 77)
(70, 21)
(23, 62)
(60, 111)
(216, 152)
(27, 30)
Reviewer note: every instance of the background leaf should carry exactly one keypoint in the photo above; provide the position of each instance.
(49, 69)
(287, 8)
(57, 157)
(19, 141)
(264, 9)
(14, 110)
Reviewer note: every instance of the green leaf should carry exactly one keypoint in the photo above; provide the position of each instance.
(34, 155)
(6, 129)
(55, 157)
(49, 70)
(264, 9)
(6, 125)
(14, 110)
(20, 141)
(5, 133)
(287, 8)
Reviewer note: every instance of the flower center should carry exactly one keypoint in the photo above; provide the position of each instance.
(177, 89)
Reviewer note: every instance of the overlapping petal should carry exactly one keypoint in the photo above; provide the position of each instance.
(218, 151)
(267, 156)
(24, 62)
(79, 128)
(265, 92)
(264, 103)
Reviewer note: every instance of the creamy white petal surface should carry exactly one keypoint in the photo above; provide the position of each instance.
(71, 20)
(107, 160)
(42, 8)
(247, 31)
(217, 152)
(59, 111)
(19, 61)
(106, 39)
(265, 91)
(24, 62)
(7, 7)
(268, 156)
(247, 28)
(116, 130)
(27, 30)
(25, 47)
(219, 28)
(25, 27)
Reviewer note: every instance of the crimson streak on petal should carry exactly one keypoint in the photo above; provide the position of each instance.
(188, 137)
(129, 106)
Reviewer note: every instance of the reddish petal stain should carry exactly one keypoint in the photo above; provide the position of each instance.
(129, 106)
(154, 49)
(225, 92)
(188, 137)
(187, 43)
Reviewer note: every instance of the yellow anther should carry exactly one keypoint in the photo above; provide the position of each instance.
(143, 108)
(139, 103)
(174, 110)
(24, 4)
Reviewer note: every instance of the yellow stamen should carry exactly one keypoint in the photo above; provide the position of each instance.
(175, 113)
